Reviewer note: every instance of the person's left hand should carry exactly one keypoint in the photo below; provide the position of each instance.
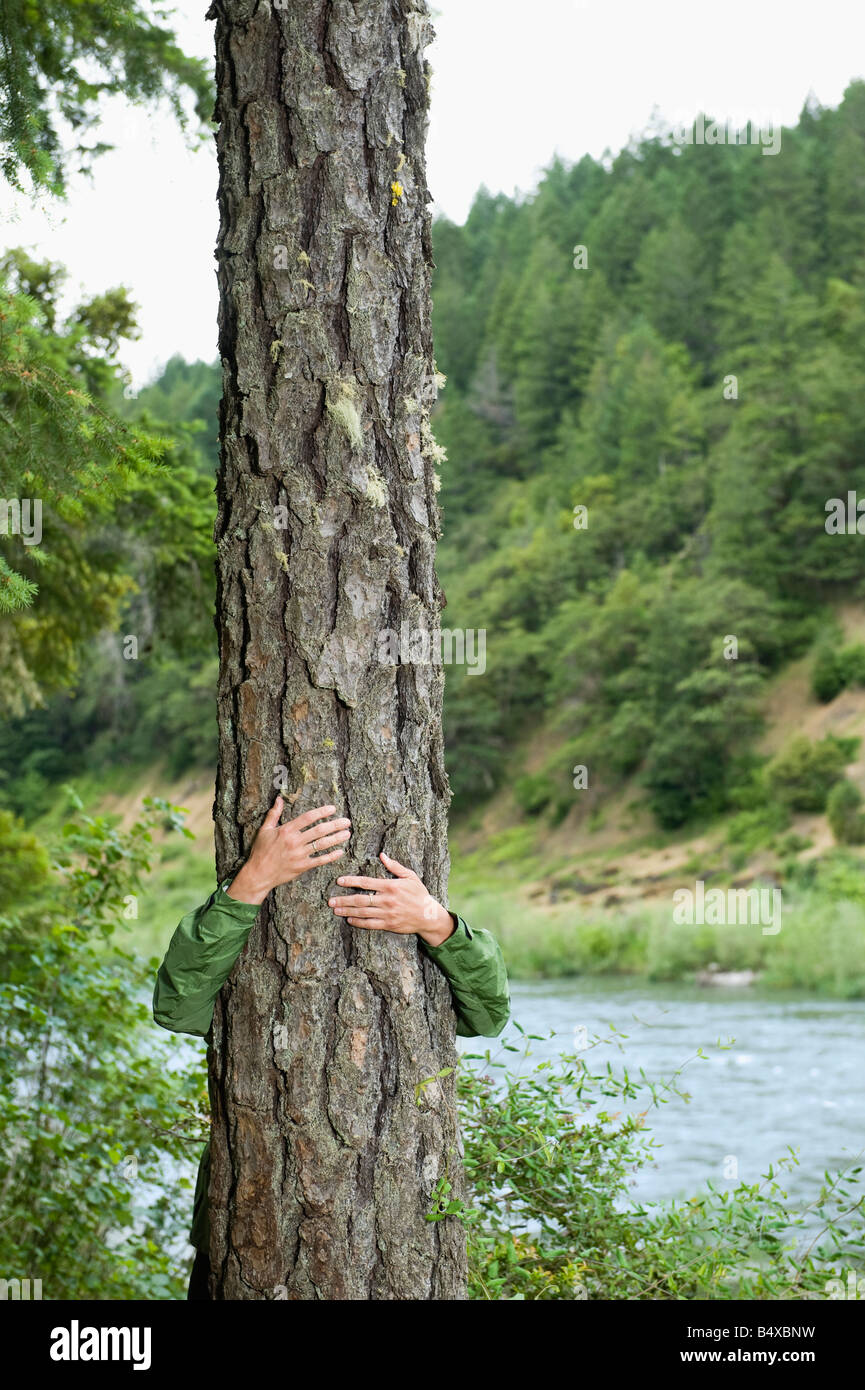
(400, 904)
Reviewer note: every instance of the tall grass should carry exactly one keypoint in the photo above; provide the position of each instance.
(821, 944)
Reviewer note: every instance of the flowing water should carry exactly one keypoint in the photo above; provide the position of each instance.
(793, 1074)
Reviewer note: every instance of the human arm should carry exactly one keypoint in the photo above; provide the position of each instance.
(207, 942)
(472, 963)
(199, 960)
(470, 960)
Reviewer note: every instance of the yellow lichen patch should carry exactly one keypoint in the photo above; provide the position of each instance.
(431, 449)
(397, 190)
(376, 487)
(341, 406)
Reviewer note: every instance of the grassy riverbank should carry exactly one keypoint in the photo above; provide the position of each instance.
(821, 944)
(567, 930)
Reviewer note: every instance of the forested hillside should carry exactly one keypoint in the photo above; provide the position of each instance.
(698, 388)
(641, 441)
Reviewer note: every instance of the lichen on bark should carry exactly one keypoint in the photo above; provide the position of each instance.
(323, 1161)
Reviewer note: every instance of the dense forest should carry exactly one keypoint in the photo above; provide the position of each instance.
(638, 442)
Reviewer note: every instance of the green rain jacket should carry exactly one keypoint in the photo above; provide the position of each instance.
(208, 941)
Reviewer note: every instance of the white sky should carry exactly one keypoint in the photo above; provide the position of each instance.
(515, 82)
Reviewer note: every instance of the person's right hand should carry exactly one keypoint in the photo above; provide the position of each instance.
(281, 853)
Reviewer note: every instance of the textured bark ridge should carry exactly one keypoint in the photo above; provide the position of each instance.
(323, 1159)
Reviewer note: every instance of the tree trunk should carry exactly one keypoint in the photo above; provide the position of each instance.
(324, 1157)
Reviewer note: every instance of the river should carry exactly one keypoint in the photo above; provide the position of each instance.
(794, 1073)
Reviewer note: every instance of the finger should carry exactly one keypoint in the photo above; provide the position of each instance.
(310, 817)
(373, 885)
(317, 832)
(323, 859)
(355, 900)
(399, 870)
(358, 912)
(273, 815)
(328, 841)
(369, 925)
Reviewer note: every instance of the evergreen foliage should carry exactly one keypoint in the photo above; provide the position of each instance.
(123, 512)
(697, 387)
(58, 62)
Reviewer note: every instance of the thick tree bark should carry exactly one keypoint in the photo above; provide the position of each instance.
(323, 1157)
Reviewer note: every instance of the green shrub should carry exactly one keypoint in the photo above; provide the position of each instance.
(91, 1102)
(748, 789)
(843, 809)
(627, 738)
(534, 791)
(794, 844)
(852, 664)
(751, 830)
(835, 669)
(839, 876)
(802, 776)
(549, 1152)
(827, 675)
(683, 774)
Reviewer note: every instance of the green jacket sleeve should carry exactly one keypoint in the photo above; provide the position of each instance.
(473, 965)
(208, 941)
(199, 960)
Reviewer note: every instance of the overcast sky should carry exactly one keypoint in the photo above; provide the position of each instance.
(515, 83)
